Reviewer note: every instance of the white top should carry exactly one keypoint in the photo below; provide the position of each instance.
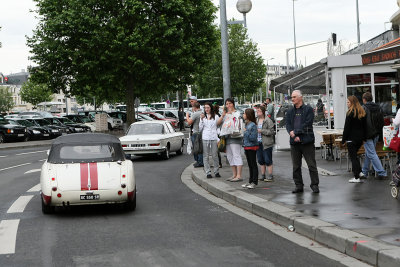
(396, 121)
(209, 128)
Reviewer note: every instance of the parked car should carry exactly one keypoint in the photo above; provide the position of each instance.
(82, 119)
(11, 132)
(72, 126)
(118, 115)
(158, 116)
(152, 137)
(34, 132)
(55, 131)
(87, 169)
(113, 123)
(143, 117)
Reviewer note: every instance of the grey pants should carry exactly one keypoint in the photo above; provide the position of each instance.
(210, 148)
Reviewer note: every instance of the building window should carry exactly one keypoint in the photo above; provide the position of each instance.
(358, 79)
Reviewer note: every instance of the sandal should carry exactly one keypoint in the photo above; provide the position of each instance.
(237, 180)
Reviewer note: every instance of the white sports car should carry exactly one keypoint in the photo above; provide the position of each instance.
(152, 137)
(85, 169)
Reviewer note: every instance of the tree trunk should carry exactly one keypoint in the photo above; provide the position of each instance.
(180, 98)
(130, 102)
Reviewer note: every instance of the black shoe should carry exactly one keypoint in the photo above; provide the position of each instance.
(217, 175)
(315, 189)
(381, 177)
(196, 165)
(209, 176)
(298, 190)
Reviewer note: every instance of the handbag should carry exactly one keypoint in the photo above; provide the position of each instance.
(198, 144)
(222, 144)
(395, 143)
(238, 128)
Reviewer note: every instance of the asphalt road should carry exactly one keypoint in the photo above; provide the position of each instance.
(172, 225)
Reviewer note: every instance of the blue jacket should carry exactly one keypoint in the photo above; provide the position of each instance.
(250, 135)
(305, 131)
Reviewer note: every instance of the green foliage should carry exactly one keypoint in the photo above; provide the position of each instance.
(34, 93)
(6, 101)
(122, 49)
(247, 68)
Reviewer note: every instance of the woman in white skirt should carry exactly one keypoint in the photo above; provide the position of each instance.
(208, 128)
(233, 142)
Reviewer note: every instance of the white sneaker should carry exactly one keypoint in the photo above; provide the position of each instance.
(251, 186)
(362, 176)
(245, 185)
(354, 180)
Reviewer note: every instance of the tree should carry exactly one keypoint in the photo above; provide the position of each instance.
(247, 68)
(121, 49)
(6, 100)
(34, 93)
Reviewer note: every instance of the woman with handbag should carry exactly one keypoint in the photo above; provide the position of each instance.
(232, 128)
(208, 127)
(266, 140)
(354, 134)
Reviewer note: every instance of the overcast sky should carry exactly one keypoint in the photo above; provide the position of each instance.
(270, 24)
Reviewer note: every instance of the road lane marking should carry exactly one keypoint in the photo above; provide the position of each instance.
(36, 188)
(19, 204)
(43, 160)
(16, 166)
(8, 236)
(32, 171)
(3, 156)
(26, 153)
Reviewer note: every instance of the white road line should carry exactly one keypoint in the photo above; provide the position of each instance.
(26, 153)
(16, 166)
(19, 204)
(3, 156)
(32, 171)
(36, 188)
(43, 160)
(8, 236)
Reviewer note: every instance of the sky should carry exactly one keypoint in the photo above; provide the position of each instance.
(269, 23)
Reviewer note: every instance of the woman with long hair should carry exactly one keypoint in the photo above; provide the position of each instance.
(216, 111)
(208, 128)
(233, 142)
(354, 134)
(250, 144)
(266, 132)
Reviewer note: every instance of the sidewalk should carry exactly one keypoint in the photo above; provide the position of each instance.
(361, 220)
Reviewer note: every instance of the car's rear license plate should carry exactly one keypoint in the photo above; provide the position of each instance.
(90, 197)
(20, 134)
(46, 135)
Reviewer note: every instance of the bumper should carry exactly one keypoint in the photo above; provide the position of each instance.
(14, 136)
(143, 151)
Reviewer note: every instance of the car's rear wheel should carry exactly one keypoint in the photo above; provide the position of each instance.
(47, 209)
(165, 154)
(131, 204)
(180, 151)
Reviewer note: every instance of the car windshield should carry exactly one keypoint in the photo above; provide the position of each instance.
(54, 121)
(85, 119)
(65, 120)
(74, 153)
(148, 128)
(4, 122)
(42, 122)
(145, 117)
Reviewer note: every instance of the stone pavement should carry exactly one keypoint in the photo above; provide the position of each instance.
(361, 220)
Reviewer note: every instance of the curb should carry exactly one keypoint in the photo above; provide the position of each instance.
(30, 144)
(361, 247)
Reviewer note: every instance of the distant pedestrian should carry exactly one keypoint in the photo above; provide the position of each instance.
(375, 125)
(233, 141)
(194, 122)
(299, 125)
(354, 134)
(181, 116)
(250, 145)
(208, 128)
(266, 140)
(270, 109)
(216, 112)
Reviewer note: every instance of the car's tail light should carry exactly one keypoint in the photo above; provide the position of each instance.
(53, 179)
(54, 188)
(120, 192)
(58, 195)
(123, 175)
(123, 185)
(155, 144)
(124, 145)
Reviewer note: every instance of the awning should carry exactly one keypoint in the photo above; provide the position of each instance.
(310, 80)
(386, 52)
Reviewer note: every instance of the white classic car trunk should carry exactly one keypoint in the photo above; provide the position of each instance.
(88, 176)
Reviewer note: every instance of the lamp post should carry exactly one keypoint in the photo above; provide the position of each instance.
(266, 82)
(243, 6)
(358, 24)
(294, 38)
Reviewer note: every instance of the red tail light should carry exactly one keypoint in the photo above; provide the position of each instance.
(155, 144)
(53, 179)
(58, 195)
(119, 192)
(124, 145)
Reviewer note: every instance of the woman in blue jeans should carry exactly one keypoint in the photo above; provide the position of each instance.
(250, 145)
(265, 138)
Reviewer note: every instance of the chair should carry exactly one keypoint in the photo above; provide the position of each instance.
(328, 142)
(342, 152)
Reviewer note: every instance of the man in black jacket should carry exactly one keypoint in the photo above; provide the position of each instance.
(374, 129)
(299, 124)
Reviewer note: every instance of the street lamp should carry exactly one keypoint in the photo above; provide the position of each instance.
(358, 24)
(294, 38)
(243, 6)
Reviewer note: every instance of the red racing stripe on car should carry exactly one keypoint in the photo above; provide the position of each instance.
(94, 179)
(84, 176)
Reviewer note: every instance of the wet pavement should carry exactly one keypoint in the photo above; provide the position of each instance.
(367, 208)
